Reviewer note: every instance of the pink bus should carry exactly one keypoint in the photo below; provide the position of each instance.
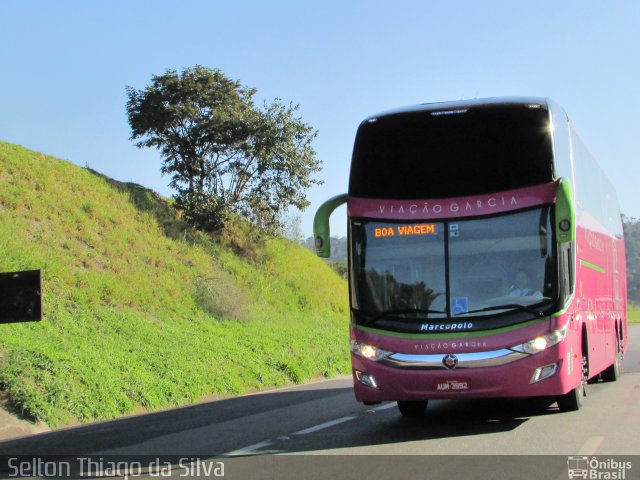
(486, 256)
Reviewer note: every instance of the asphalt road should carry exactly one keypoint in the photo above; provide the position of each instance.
(323, 418)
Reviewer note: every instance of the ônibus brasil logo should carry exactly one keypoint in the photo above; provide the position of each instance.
(596, 469)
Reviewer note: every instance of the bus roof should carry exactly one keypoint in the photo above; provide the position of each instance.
(465, 104)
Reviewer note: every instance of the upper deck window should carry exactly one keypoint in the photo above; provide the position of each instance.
(439, 154)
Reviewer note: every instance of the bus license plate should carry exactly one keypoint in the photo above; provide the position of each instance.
(452, 385)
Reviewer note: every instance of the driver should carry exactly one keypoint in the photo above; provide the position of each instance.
(522, 286)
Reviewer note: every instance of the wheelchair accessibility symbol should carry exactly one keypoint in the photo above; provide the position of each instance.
(459, 305)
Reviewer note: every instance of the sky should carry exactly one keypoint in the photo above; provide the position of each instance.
(64, 66)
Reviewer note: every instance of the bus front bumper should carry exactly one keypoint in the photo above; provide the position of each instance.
(500, 373)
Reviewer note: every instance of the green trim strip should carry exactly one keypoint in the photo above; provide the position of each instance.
(482, 333)
(564, 310)
(564, 212)
(592, 266)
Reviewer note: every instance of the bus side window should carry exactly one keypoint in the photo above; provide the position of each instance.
(566, 270)
(570, 267)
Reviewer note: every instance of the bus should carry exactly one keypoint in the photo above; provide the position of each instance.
(486, 256)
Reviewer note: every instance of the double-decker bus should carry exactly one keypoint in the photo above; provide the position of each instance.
(486, 256)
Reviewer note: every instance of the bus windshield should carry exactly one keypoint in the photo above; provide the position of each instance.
(404, 155)
(453, 269)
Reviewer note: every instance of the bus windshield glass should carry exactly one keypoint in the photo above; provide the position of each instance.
(463, 268)
(452, 153)
(397, 270)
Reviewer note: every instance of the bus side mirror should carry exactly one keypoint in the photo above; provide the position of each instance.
(21, 296)
(321, 229)
(564, 213)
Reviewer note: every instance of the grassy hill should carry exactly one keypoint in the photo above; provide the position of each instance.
(140, 311)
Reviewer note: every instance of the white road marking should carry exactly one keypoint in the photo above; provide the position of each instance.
(251, 449)
(248, 450)
(386, 406)
(591, 446)
(322, 426)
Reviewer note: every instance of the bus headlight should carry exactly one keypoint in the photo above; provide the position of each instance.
(539, 344)
(370, 352)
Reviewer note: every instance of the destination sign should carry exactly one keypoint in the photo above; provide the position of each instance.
(405, 230)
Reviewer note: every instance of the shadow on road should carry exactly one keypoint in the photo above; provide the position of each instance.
(136, 429)
(443, 419)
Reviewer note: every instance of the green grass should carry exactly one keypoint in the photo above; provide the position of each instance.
(140, 311)
(633, 313)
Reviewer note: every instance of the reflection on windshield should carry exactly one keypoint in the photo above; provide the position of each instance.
(495, 264)
(399, 267)
(500, 261)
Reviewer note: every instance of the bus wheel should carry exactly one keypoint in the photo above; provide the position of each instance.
(572, 400)
(412, 408)
(613, 372)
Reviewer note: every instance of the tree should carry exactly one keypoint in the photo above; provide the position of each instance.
(224, 154)
(292, 228)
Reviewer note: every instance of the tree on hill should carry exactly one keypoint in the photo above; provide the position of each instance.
(224, 154)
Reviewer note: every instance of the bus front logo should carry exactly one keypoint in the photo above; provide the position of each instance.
(450, 361)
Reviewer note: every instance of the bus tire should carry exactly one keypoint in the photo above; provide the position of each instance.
(413, 408)
(613, 371)
(574, 398)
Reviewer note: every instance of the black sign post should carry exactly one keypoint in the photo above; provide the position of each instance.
(21, 296)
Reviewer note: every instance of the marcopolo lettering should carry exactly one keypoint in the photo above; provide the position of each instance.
(432, 327)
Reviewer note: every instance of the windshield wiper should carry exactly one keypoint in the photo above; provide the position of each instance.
(403, 311)
(510, 306)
